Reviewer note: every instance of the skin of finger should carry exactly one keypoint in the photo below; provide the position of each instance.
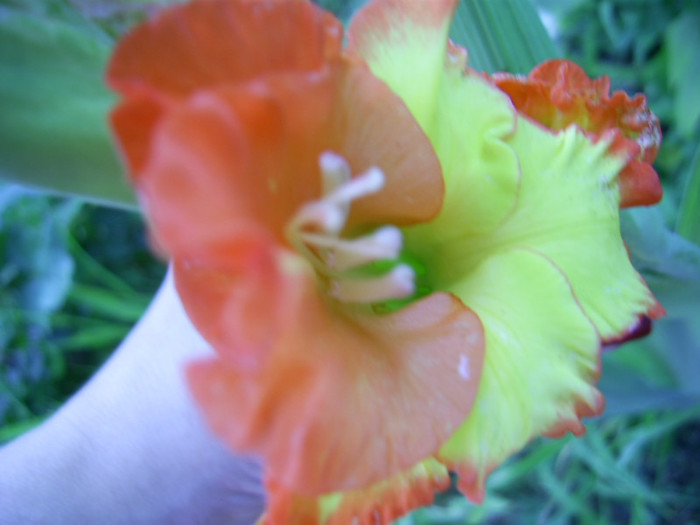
(131, 447)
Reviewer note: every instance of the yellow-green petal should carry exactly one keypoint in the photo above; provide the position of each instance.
(579, 229)
(466, 119)
(567, 209)
(405, 42)
(541, 361)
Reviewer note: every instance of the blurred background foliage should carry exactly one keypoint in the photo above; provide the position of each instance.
(75, 276)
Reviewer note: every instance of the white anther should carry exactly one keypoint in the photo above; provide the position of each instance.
(389, 238)
(335, 171)
(367, 183)
(320, 215)
(397, 284)
(344, 254)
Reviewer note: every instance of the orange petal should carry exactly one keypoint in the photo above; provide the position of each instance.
(237, 156)
(205, 44)
(378, 504)
(376, 128)
(558, 93)
(343, 400)
(249, 153)
(267, 93)
(242, 304)
(639, 185)
(133, 122)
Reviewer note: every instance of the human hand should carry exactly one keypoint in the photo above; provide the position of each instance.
(130, 447)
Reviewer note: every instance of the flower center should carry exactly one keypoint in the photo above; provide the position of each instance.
(316, 233)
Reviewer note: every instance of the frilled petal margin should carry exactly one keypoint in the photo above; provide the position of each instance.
(542, 359)
(382, 502)
(568, 210)
(353, 403)
(558, 93)
(578, 228)
(405, 44)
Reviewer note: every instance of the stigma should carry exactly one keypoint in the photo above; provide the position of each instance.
(316, 233)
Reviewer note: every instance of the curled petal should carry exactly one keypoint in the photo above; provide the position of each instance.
(405, 44)
(226, 158)
(375, 128)
(542, 361)
(133, 122)
(639, 185)
(161, 62)
(378, 504)
(237, 297)
(383, 373)
(641, 328)
(241, 40)
(558, 93)
(250, 153)
(567, 209)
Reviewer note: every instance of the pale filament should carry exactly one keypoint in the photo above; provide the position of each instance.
(315, 233)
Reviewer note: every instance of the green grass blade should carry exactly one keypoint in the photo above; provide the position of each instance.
(94, 269)
(94, 338)
(502, 35)
(105, 303)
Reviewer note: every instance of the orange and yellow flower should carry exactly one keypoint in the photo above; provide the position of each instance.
(402, 274)
(558, 94)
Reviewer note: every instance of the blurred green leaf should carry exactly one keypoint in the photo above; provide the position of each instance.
(671, 266)
(628, 391)
(688, 223)
(103, 302)
(54, 107)
(32, 238)
(656, 251)
(502, 35)
(683, 62)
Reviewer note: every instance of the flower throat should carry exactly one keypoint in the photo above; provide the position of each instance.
(348, 266)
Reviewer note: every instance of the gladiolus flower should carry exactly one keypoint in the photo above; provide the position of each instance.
(400, 273)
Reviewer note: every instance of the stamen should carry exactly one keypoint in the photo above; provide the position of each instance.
(320, 215)
(335, 171)
(315, 233)
(397, 284)
(385, 243)
(371, 181)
